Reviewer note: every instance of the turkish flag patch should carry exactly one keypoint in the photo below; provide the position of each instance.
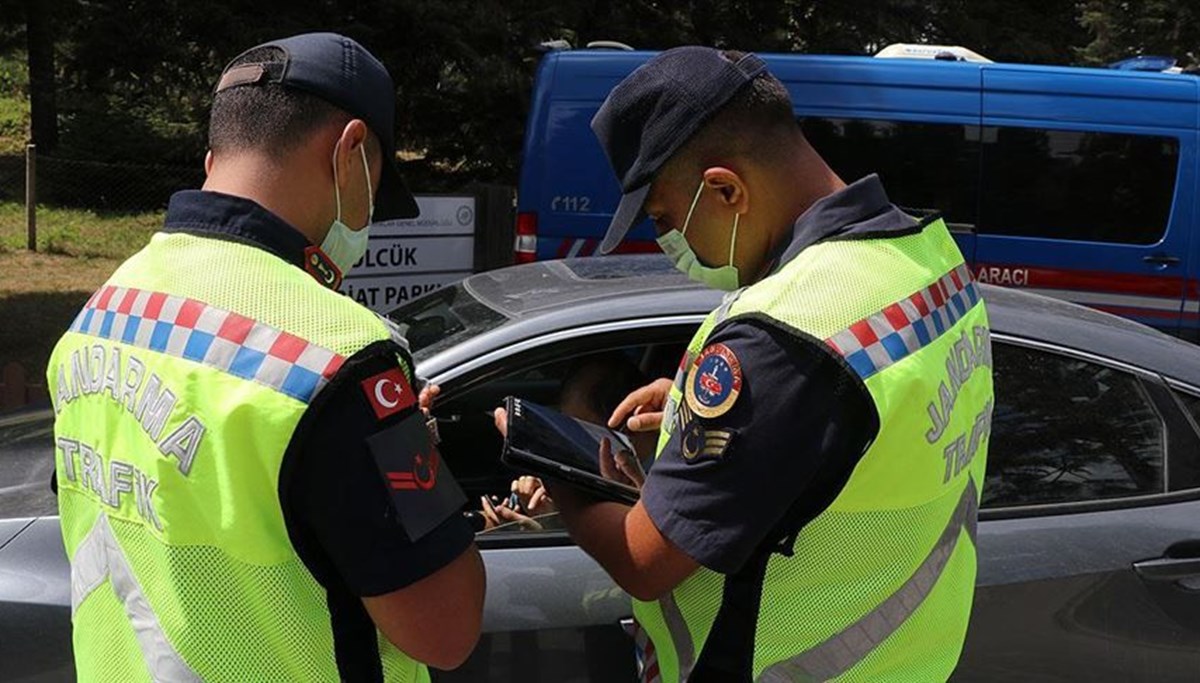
(389, 393)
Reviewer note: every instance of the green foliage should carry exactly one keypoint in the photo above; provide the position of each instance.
(134, 77)
(1121, 29)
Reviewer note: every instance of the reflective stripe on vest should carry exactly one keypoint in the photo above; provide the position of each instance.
(99, 557)
(195, 331)
(843, 650)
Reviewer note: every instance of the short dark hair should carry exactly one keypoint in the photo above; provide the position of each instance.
(749, 124)
(602, 381)
(266, 117)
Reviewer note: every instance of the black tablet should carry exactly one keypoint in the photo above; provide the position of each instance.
(552, 445)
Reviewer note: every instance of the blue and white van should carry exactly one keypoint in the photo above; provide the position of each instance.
(1074, 182)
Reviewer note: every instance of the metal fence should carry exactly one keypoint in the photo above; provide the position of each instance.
(63, 182)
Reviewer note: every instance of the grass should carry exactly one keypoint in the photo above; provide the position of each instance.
(78, 232)
(40, 293)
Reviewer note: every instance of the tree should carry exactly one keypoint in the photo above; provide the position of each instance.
(1122, 29)
(42, 104)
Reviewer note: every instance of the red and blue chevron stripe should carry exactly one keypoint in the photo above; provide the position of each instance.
(221, 339)
(904, 327)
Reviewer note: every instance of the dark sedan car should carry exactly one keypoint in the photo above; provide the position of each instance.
(1089, 541)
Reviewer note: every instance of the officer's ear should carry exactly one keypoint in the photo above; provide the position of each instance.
(730, 187)
(208, 162)
(347, 155)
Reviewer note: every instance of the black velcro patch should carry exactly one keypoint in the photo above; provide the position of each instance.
(423, 491)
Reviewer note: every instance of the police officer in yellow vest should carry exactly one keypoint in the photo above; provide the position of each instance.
(248, 489)
(811, 511)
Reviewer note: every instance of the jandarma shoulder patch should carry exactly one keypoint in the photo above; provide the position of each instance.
(714, 381)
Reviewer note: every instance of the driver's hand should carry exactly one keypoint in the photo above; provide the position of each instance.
(426, 397)
(531, 492)
(495, 515)
(643, 407)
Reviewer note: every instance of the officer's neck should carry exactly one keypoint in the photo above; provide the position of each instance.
(801, 180)
(283, 188)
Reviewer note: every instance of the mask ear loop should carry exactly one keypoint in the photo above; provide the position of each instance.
(695, 200)
(370, 191)
(337, 193)
(733, 240)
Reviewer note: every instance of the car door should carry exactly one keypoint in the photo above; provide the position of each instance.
(35, 606)
(552, 614)
(1089, 542)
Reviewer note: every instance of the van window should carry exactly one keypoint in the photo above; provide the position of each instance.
(924, 166)
(1074, 185)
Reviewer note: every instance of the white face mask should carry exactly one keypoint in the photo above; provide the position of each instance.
(675, 245)
(342, 245)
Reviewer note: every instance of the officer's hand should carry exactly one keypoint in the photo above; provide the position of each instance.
(645, 405)
(532, 494)
(425, 399)
(501, 418)
(622, 467)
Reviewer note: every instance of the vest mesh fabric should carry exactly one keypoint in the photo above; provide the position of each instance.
(221, 576)
(895, 507)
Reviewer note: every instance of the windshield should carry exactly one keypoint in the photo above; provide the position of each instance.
(443, 318)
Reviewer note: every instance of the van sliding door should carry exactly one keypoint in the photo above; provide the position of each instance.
(1081, 187)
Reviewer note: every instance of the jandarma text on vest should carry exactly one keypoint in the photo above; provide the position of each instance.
(122, 478)
(98, 370)
(971, 351)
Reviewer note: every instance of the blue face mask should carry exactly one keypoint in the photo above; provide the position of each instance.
(343, 245)
(675, 245)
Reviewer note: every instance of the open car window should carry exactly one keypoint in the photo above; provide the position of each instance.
(586, 383)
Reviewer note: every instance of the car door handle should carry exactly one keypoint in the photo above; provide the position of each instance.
(1168, 568)
(1161, 260)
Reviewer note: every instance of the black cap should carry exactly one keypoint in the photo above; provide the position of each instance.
(343, 73)
(657, 108)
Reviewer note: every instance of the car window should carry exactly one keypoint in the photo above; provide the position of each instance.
(1067, 430)
(1075, 185)
(26, 463)
(924, 166)
(586, 384)
(1185, 463)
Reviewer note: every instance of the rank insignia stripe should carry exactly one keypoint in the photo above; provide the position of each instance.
(714, 381)
(697, 443)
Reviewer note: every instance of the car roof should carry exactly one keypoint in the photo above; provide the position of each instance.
(550, 296)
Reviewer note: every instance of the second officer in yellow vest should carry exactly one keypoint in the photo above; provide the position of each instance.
(247, 487)
(811, 511)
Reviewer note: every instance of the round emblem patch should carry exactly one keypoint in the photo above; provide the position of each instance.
(714, 381)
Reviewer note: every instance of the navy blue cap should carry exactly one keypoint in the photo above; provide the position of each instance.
(654, 111)
(343, 73)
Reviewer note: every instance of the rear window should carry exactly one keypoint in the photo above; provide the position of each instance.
(1074, 185)
(443, 318)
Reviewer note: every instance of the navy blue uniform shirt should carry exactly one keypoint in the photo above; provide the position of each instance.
(348, 527)
(794, 431)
